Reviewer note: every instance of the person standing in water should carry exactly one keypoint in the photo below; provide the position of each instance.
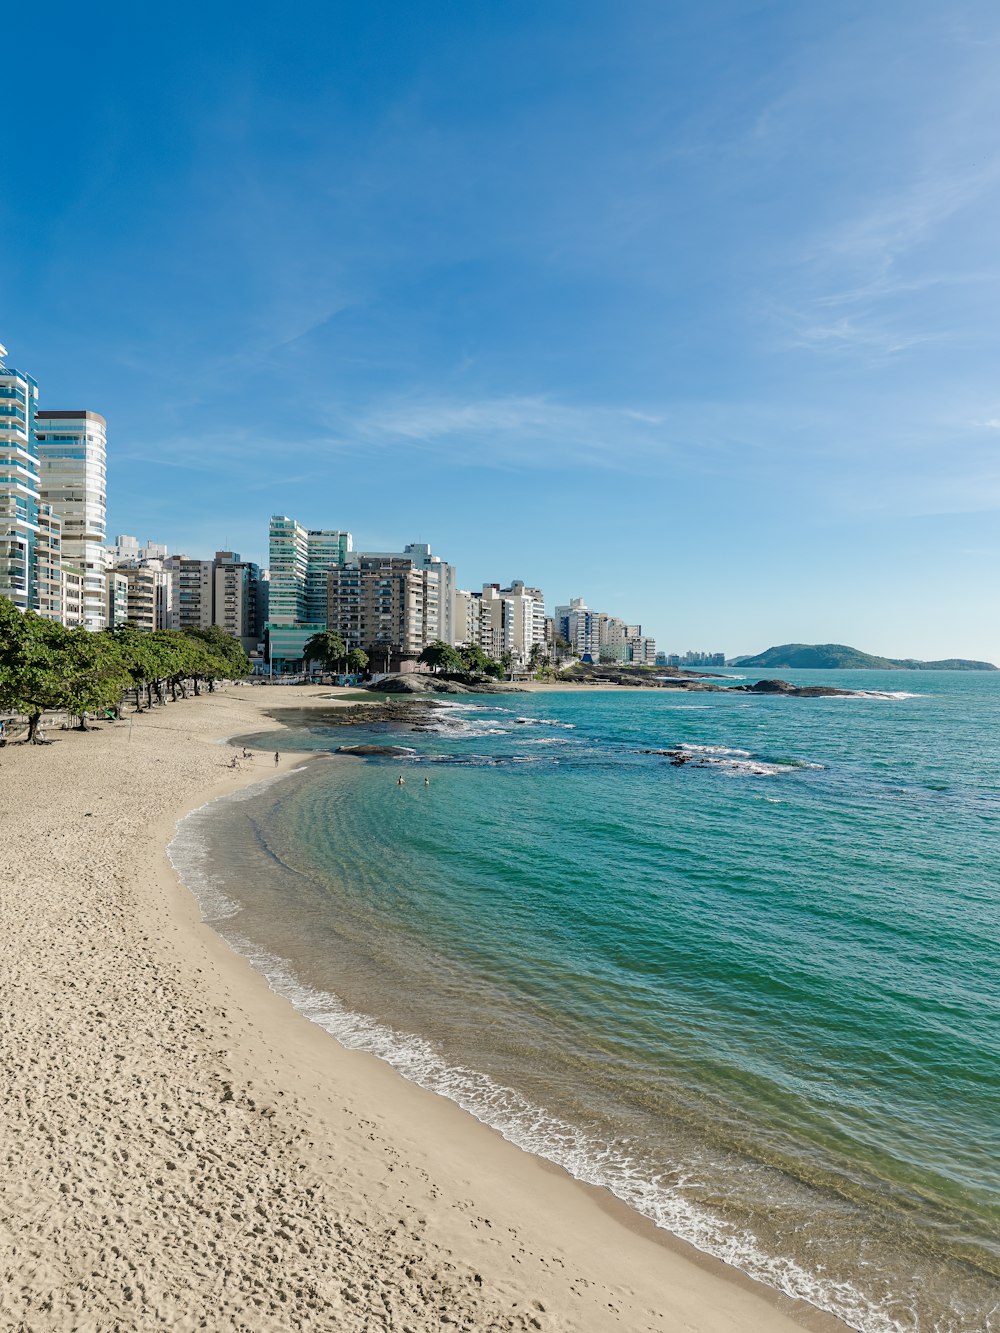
(427, 782)
(400, 781)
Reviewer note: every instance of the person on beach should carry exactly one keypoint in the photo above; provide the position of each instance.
(276, 758)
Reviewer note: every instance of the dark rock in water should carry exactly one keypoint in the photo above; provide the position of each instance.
(676, 757)
(377, 751)
(796, 691)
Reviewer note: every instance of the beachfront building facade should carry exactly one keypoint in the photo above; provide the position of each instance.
(383, 605)
(139, 581)
(193, 593)
(500, 620)
(240, 599)
(72, 458)
(48, 599)
(392, 604)
(19, 496)
(148, 594)
(299, 562)
(595, 636)
(580, 627)
(72, 589)
(117, 608)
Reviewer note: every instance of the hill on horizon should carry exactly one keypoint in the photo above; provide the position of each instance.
(840, 657)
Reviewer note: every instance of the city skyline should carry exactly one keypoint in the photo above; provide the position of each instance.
(687, 312)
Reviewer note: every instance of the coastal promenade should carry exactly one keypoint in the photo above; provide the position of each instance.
(180, 1150)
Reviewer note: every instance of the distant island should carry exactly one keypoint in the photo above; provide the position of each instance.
(838, 657)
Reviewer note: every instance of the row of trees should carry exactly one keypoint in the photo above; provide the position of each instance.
(329, 650)
(44, 665)
(467, 661)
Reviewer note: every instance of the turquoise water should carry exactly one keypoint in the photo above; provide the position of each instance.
(755, 995)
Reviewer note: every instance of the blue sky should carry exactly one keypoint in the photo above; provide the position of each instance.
(687, 309)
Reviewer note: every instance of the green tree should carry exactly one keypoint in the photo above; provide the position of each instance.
(440, 656)
(32, 665)
(357, 661)
(327, 648)
(227, 649)
(94, 673)
(474, 659)
(131, 644)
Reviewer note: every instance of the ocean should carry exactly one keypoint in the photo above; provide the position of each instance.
(755, 995)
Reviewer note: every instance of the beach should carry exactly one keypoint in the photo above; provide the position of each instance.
(182, 1150)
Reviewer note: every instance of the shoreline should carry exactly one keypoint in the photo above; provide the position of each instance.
(467, 1225)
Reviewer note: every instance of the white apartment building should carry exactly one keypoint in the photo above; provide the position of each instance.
(148, 586)
(72, 457)
(149, 594)
(48, 600)
(599, 637)
(500, 620)
(125, 549)
(117, 597)
(73, 596)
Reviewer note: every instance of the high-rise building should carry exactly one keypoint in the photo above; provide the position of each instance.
(149, 595)
(117, 597)
(72, 456)
(381, 603)
(500, 620)
(299, 561)
(597, 637)
(18, 485)
(239, 600)
(149, 587)
(48, 600)
(392, 602)
(72, 588)
(193, 592)
(580, 627)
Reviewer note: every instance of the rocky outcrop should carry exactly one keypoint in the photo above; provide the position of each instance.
(796, 691)
(418, 682)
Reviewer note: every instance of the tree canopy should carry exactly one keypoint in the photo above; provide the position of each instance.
(327, 648)
(45, 666)
(441, 656)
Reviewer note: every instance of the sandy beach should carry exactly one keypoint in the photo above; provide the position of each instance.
(181, 1150)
